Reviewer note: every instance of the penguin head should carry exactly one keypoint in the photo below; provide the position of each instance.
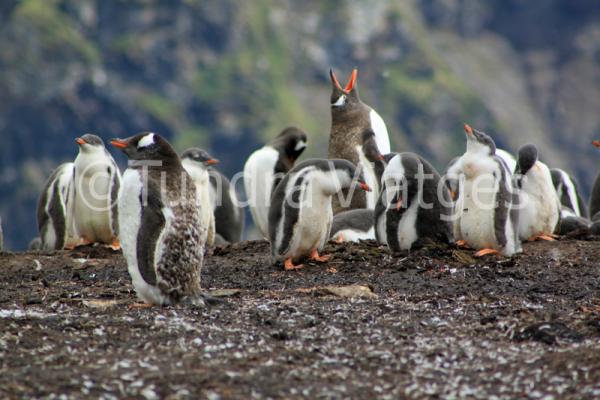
(146, 146)
(479, 142)
(596, 143)
(291, 142)
(344, 98)
(199, 157)
(90, 143)
(528, 156)
(369, 146)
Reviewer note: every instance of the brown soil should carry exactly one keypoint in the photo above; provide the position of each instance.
(431, 323)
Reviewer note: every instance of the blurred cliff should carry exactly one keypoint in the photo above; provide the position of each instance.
(227, 75)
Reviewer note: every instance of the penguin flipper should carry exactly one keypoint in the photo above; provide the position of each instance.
(152, 224)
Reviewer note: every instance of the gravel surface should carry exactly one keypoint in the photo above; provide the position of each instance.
(432, 323)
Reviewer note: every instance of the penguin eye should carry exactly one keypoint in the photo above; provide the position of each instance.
(340, 101)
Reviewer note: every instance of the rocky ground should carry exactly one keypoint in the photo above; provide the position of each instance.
(366, 324)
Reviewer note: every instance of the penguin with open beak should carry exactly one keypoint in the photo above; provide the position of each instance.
(162, 231)
(350, 118)
(300, 216)
(96, 186)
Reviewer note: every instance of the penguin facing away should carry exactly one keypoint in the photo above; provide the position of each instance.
(300, 216)
(486, 213)
(539, 215)
(568, 192)
(196, 162)
(594, 204)
(265, 168)
(97, 180)
(353, 225)
(414, 205)
(228, 215)
(350, 117)
(162, 235)
(54, 210)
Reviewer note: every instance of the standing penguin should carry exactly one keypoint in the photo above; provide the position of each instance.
(594, 205)
(300, 216)
(414, 204)
(350, 117)
(228, 215)
(161, 226)
(487, 214)
(265, 168)
(97, 180)
(54, 210)
(568, 192)
(540, 207)
(196, 162)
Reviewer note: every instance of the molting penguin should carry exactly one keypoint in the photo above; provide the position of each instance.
(539, 214)
(196, 162)
(228, 215)
(353, 225)
(300, 216)
(594, 205)
(55, 210)
(414, 204)
(486, 210)
(162, 234)
(350, 117)
(97, 180)
(568, 192)
(265, 168)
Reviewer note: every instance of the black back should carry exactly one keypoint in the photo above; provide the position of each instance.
(359, 220)
(227, 225)
(561, 190)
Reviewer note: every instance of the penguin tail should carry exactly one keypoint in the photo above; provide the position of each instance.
(201, 300)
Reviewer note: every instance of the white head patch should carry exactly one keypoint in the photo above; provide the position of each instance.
(300, 145)
(340, 101)
(146, 141)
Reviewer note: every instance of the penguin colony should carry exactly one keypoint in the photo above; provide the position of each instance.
(167, 210)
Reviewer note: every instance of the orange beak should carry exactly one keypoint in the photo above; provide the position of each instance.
(364, 186)
(119, 143)
(80, 141)
(380, 157)
(334, 79)
(468, 129)
(212, 161)
(352, 80)
(453, 194)
(596, 143)
(399, 205)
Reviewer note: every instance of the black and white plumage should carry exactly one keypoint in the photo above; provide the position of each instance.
(353, 225)
(265, 168)
(539, 214)
(54, 210)
(162, 235)
(350, 117)
(96, 181)
(225, 210)
(568, 192)
(300, 216)
(486, 209)
(414, 206)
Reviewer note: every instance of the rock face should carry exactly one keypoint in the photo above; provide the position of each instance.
(226, 76)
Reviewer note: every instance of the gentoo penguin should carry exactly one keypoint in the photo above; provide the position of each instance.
(35, 244)
(508, 158)
(594, 206)
(414, 204)
(196, 162)
(568, 192)
(97, 180)
(300, 216)
(162, 235)
(228, 215)
(265, 168)
(486, 209)
(350, 117)
(353, 225)
(539, 215)
(55, 211)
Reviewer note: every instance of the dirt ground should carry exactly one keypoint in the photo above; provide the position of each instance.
(433, 323)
